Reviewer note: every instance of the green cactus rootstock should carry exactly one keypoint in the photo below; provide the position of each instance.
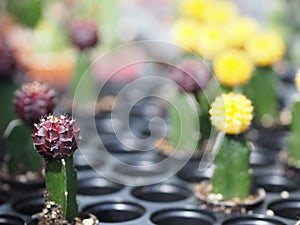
(82, 80)
(61, 184)
(7, 90)
(183, 122)
(232, 177)
(21, 156)
(261, 90)
(294, 140)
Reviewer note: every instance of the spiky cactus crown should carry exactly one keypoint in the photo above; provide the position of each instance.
(56, 137)
(231, 113)
(84, 33)
(33, 101)
(191, 75)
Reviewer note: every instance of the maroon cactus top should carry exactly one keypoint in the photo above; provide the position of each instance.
(190, 75)
(33, 101)
(84, 33)
(56, 137)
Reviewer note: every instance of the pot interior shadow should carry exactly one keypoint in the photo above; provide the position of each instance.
(252, 220)
(29, 205)
(6, 219)
(275, 183)
(114, 212)
(286, 208)
(161, 193)
(183, 216)
(97, 186)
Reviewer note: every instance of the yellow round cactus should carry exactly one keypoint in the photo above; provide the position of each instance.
(186, 33)
(211, 41)
(231, 113)
(239, 30)
(266, 48)
(193, 8)
(220, 11)
(233, 67)
(297, 80)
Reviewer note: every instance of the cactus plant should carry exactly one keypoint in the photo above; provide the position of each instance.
(232, 113)
(84, 36)
(31, 102)
(265, 49)
(191, 76)
(55, 139)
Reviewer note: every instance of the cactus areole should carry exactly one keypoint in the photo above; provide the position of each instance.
(56, 138)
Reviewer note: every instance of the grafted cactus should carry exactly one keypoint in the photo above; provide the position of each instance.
(55, 138)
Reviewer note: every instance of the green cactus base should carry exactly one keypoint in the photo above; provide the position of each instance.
(232, 177)
(61, 184)
(294, 140)
(21, 155)
(261, 90)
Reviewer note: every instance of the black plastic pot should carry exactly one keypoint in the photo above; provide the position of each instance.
(116, 211)
(286, 208)
(6, 219)
(161, 193)
(180, 216)
(276, 183)
(96, 186)
(253, 220)
(29, 205)
(30, 185)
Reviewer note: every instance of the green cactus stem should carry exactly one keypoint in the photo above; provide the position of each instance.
(261, 90)
(26, 12)
(82, 80)
(204, 118)
(7, 90)
(21, 156)
(184, 123)
(232, 177)
(294, 140)
(61, 184)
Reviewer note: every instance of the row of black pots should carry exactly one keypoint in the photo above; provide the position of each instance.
(137, 201)
(123, 209)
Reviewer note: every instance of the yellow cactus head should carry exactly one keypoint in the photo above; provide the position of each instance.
(193, 8)
(239, 30)
(297, 80)
(220, 12)
(266, 48)
(186, 33)
(231, 113)
(211, 41)
(233, 67)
